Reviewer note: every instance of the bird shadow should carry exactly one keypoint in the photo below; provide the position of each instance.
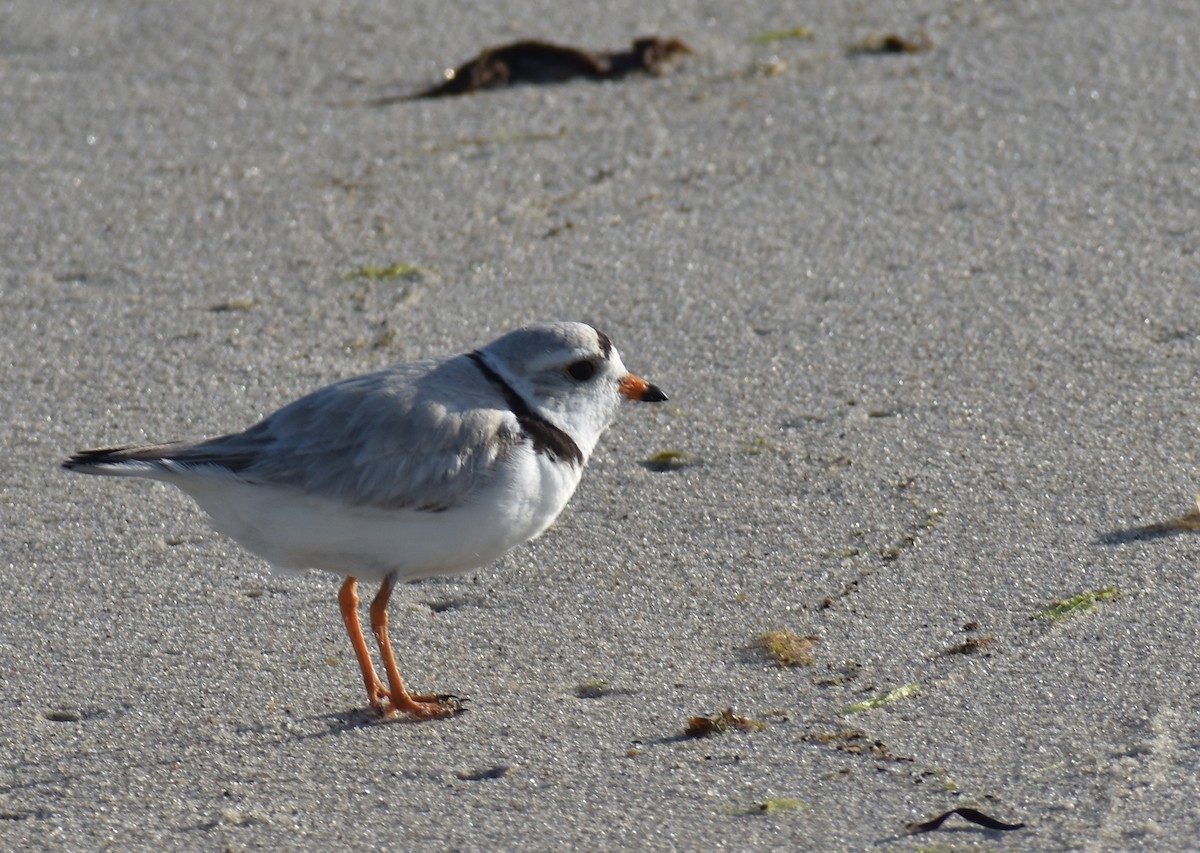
(342, 722)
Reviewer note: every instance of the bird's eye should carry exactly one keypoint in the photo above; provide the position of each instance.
(581, 371)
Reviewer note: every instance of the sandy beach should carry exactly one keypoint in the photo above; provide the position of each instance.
(929, 324)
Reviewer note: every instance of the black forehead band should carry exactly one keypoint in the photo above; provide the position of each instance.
(605, 343)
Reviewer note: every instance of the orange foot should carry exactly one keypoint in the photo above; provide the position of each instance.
(425, 707)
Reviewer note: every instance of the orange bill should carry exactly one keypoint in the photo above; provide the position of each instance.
(637, 388)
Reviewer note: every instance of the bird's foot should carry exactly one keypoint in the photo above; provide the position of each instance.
(425, 707)
(379, 698)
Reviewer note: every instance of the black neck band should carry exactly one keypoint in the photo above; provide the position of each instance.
(545, 436)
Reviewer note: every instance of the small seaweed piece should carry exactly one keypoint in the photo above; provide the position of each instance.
(544, 62)
(773, 805)
(386, 273)
(788, 649)
(63, 715)
(244, 303)
(801, 33)
(1191, 521)
(883, 43)
(593, 688)
(761, 444)
(499, 771)
(670, 460)
(1073, 606)
(1188, 523)
(721, 723)
(970, 645)
(883, 699)
(973, 815)
(855, 741)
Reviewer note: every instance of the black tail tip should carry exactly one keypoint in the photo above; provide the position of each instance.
(87, 458)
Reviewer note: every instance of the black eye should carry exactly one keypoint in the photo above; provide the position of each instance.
(581, 371)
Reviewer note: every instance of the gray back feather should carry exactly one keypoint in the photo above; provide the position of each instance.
(419, 436)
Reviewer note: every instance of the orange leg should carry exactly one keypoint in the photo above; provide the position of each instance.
(348, 601)
(424, 707)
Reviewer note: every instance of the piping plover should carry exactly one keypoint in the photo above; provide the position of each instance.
(420, 470)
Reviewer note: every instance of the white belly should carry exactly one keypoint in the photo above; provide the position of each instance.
(293, 530)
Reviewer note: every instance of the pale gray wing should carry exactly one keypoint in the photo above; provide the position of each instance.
(420, 436)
